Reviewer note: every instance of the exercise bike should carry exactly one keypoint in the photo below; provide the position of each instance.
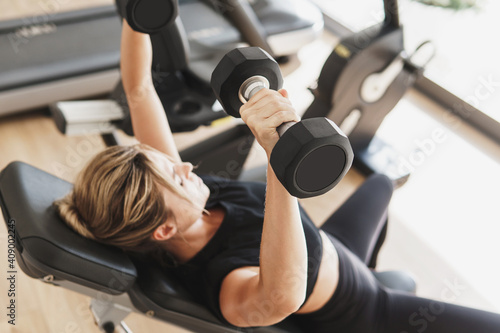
(362, 80)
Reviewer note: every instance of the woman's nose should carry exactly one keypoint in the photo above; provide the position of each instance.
(187, 168)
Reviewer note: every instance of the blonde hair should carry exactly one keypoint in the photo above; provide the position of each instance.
(117, 199)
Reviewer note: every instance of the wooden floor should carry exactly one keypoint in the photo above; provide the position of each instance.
(33, 138)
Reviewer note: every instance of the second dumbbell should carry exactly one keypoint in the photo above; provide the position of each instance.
(312, 155)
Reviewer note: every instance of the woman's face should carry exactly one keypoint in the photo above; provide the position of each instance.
(181, 173)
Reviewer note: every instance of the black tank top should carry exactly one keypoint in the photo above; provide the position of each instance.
(237, 241)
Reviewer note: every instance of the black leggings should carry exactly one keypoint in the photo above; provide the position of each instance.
(360, 304)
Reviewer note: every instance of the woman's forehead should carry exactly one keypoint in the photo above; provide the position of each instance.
(163, 162)
(160, 158)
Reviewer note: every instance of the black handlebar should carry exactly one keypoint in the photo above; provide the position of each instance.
(391, 13)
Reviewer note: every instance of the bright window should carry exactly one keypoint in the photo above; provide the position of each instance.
(468, 48)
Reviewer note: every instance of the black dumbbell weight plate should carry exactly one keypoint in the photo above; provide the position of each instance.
(150, 16)
(235, 68)
(311, 157)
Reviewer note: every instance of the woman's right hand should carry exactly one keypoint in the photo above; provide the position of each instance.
(265, 112)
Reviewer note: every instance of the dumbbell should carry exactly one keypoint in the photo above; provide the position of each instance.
(160, 19)
(312, 155)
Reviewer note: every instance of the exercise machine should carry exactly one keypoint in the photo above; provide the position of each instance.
(76, 54)
(55, 57)
(362, 80)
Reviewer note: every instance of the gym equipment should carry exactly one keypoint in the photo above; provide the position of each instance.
(312, 155)
(183, 65)
(59, 56)
(48, 250)
(76, 54)
(72, 118)
(160, 20)
(362, 80)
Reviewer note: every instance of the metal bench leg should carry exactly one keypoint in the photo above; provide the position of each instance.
(109, 316)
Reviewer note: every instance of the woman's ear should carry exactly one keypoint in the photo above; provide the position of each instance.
(165, 231)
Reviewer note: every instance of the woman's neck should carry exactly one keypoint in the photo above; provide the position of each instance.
(186, 245)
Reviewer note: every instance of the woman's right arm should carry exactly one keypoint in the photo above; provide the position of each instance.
(266, 295)
(149, 121)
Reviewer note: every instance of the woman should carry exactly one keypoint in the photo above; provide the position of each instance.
(251, 266)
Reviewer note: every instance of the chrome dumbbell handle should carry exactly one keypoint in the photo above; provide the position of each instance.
(253, 85)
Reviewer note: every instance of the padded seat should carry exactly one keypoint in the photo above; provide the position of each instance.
(157, 291)
(46, 245)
